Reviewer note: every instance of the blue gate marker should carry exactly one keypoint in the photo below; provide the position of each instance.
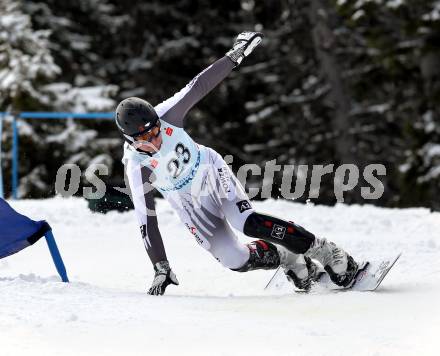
(18, 232)
(2, 191)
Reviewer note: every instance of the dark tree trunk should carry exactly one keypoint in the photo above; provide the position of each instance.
(324, 43)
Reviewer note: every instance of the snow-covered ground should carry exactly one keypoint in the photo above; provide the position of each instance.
(105, 309)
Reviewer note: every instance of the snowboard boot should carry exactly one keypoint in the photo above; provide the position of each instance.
(299, 270)
(339, 265)
(262, 255)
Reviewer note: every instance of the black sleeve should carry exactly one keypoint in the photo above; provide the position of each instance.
(142, 195)
(174, 109)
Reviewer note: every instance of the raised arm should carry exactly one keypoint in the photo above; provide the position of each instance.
(174, 109)
(142, 195)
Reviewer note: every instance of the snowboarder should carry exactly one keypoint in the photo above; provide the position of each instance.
(159, 153)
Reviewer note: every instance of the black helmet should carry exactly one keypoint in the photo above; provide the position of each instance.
(135, 116)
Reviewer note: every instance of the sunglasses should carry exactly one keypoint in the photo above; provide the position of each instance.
(148, 135)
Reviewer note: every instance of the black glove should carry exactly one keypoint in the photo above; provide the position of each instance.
(163, 277)
(244, 45)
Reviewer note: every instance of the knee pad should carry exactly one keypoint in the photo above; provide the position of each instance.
(282, 232)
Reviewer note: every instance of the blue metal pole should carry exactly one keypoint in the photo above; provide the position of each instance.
(66, 115)
(1, 174)
(56, 256)
(43, 115)
(14, 158)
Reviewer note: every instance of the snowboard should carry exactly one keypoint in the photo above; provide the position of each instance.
(368, 277)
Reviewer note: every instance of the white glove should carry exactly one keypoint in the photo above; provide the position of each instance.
(164, 276)
(244, 45)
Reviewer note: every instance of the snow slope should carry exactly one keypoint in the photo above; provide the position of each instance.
(214, 311)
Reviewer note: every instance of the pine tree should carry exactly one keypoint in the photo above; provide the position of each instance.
(26, 62)
(31, 79)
